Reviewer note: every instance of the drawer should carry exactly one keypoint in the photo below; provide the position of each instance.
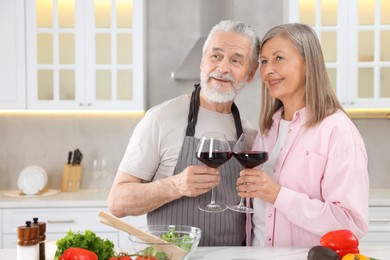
(376, 238)
(9, 240)
(58, 220)
(379, 219)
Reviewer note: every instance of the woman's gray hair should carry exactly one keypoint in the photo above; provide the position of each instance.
(321, 101)
(240, 28)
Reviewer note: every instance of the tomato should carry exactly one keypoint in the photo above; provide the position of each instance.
(146, 258)
(120, 257)
(74, 253)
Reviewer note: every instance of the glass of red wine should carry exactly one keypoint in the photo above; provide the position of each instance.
(249, 152)
(213, 150)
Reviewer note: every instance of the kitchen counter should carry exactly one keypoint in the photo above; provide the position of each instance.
(81, 198)
(91, 198)
(242, 253)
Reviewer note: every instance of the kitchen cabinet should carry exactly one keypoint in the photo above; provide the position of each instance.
(85, 54)
(355, 37)
(12, 55)
(379, 226)
(58, 223)
(72, 55)
(64, 211)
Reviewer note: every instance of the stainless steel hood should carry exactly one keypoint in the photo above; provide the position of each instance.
(209, 13)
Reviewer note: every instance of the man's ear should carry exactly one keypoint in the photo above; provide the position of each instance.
(253, 72)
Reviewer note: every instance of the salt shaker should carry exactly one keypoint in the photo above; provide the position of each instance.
(28, 242)
(41, 237)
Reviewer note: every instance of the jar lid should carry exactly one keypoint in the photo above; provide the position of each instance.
(28, 234)
(42, 228)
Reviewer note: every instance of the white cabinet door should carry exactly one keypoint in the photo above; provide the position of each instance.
(85, 55)
(378, 227)
(12, 55)
(355, 40)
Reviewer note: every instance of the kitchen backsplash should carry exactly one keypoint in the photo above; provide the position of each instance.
(46, 139)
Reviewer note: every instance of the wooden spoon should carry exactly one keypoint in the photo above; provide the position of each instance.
(175, 252)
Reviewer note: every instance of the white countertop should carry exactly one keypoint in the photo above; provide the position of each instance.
(91, 198)
(242, 253)
(82, 198)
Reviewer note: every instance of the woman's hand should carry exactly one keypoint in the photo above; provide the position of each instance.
(257, 184)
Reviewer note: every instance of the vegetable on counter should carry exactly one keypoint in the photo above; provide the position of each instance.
(74, 253)
(103, 248)
(322, 253)
(342, 241)
(356, 257)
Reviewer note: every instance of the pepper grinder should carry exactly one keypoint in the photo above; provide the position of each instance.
(41, 237)
(28, 242)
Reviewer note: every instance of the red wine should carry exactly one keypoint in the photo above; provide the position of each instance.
(214, 159)
(250, 159)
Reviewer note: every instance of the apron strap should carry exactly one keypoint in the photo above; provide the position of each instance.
(237, 120)
(194, 110)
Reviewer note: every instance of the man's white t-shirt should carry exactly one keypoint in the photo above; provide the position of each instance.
(155, 145)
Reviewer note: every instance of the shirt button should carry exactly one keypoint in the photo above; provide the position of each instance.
(269, 238)
(274, 170)
(297, 113)
(307, 152)
(289, 131)
(269, 215)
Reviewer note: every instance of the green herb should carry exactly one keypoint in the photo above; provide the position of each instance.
(184, 241)
(103, 248)
(151, 251)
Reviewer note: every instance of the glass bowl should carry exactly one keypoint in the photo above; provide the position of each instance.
(184, 237)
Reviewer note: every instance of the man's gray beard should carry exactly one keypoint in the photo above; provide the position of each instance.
(212, 93)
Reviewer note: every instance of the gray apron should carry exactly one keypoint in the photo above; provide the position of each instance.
(218, 229)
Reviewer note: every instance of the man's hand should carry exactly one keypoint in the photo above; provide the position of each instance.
(196, 180)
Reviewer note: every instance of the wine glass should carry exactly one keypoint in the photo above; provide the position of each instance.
(99, 173)
(249, 152)
(213, 150)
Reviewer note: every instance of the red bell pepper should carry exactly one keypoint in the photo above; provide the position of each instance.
(343, 241)
(74, 253)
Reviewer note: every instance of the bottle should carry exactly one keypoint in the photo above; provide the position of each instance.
(41, 237)
(28, 242)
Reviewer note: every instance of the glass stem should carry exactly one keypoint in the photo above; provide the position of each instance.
(212, 202)
(241, 205)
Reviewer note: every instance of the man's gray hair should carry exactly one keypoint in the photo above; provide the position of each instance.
(240, 28)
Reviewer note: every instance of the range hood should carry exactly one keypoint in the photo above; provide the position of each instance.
(208, 13)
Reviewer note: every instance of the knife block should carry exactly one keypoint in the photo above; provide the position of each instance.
(71, 177)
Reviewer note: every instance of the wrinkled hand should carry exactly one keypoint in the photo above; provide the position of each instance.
(196, 180)
(257, 184)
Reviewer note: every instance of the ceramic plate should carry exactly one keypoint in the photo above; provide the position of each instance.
(32, 179)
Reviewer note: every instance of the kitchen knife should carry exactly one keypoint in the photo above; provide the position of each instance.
(70, 157)
(75, 154)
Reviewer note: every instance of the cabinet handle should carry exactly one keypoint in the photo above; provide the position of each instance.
(379, 220)
(60, 221)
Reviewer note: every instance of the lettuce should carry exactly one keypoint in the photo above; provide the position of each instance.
(103, 248)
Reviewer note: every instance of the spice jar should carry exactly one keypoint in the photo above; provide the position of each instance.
(28, 242)
(41, 237)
